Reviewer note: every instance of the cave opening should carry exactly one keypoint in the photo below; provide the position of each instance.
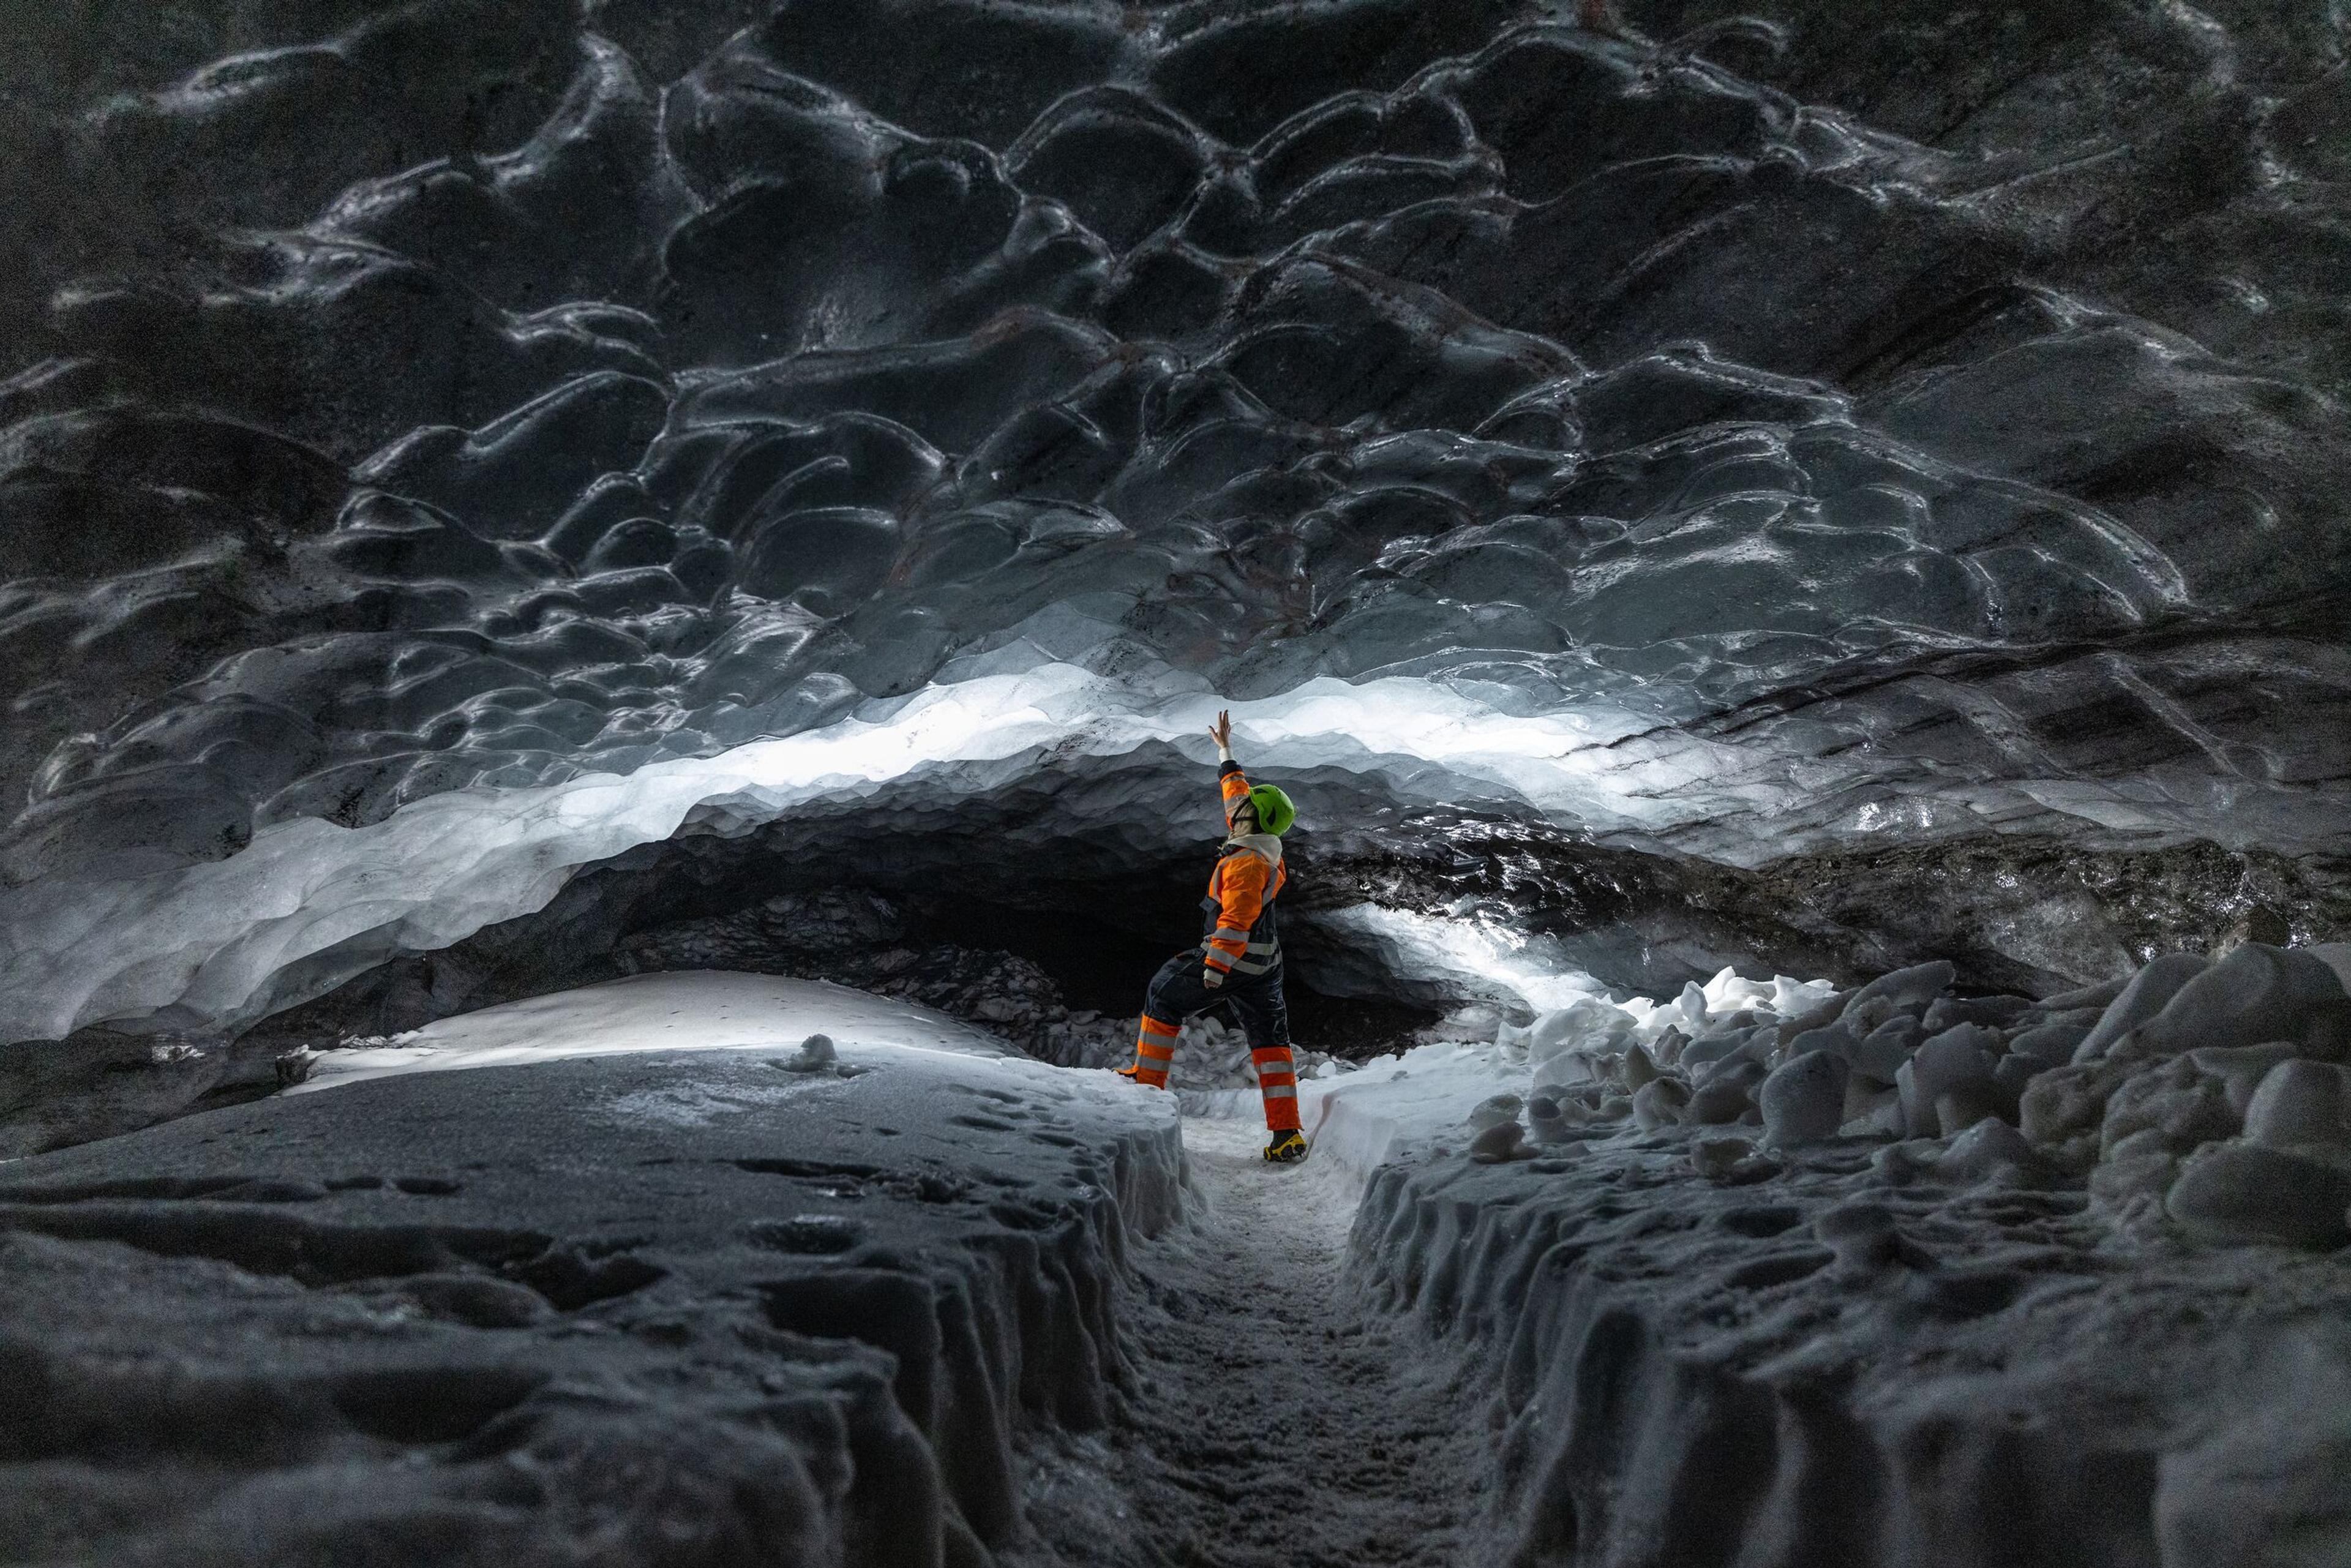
(938, 918)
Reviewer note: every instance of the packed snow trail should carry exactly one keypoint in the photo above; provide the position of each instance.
(1283, 1420)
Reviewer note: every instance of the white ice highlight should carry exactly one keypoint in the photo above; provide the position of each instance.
(199, 945)
(695, 1011)
(308, 904)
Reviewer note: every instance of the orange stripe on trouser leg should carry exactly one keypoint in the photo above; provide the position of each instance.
(1276, 1081)
(1154, 1052)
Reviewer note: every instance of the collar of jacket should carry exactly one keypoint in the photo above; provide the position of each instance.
(1265, 846)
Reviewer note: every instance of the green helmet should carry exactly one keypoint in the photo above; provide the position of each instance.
(1274, 812)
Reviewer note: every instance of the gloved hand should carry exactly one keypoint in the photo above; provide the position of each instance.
(1212, 977)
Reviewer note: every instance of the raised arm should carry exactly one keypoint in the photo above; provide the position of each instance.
(1232, 784)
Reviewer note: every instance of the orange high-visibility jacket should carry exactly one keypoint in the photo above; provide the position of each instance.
(1242, 936)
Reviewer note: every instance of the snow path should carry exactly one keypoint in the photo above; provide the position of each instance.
(1285, 1420)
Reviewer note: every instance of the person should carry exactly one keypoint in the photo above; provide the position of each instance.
(1238, 961)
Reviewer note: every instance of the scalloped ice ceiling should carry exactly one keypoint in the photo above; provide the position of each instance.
(448, 444)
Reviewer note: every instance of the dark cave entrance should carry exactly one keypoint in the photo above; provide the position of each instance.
(937, 916)
(1101, 968)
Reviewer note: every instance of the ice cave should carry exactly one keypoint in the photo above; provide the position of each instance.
(630, 629)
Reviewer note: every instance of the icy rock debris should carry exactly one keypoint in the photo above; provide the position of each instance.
(2165, 1091)
(816, 1054)
(1923, 1228)
(1212, 1058)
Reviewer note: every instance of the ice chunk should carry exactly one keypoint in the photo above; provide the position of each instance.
(816, 1055)
(1496, 1145)
(1793, 998)
(2049, 1044)
(1804, 1100)
(1660, 1103)
(2242, 1069)
(2242, 1192)
(2335, 955)
(1889, 1045)
(1957, 1059)
(1725, 1094)
(1567, 1046)
(2257, 993)
(1495, 1110)
(1903, 990)
(2147, 994)
(1986, 1149)
(2301, 1102)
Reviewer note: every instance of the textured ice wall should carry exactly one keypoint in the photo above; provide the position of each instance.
(1891, 1275)
(501, 394)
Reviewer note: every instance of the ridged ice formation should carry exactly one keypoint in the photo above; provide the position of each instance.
(478, 401)
(1720, 1331)
(750, 1315)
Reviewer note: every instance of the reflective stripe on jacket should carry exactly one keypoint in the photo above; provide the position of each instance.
(1242, 934)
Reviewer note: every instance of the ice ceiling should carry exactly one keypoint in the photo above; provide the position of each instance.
(449, 444)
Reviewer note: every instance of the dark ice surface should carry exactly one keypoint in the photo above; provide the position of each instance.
(656, 1308)
(1917, 425)
(1848, 1357)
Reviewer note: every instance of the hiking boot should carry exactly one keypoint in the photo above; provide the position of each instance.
(1288, 1146)
(1132, 1076)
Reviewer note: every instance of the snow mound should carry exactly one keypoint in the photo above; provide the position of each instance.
(1888, 1273)
(693, 1011)
(2195, 1088)
(847, 1298)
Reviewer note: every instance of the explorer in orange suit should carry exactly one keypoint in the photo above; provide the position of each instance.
(1239, 959)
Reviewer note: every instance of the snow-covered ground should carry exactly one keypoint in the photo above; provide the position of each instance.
(2040, 1284)
(604, 1297)
(1283, 1419)
(1892, 1276)
(1777, 1273)
(696, 1011)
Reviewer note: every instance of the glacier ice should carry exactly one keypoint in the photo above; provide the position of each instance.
(1789, 469)
(1853, 491)
(1662, 1303)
